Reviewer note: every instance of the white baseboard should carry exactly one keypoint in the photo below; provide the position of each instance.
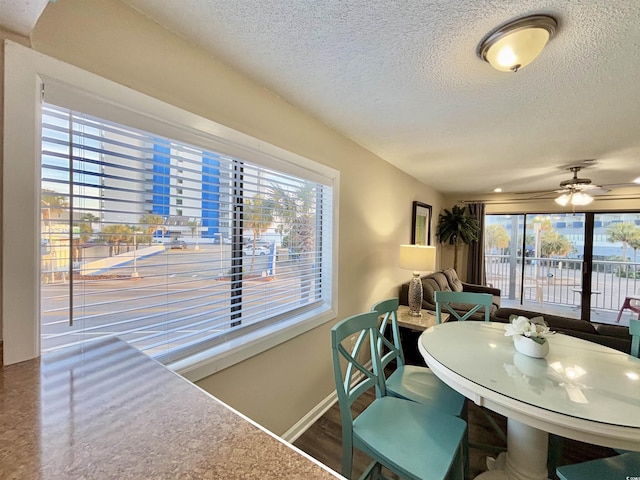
(310, 418)
(316, 412)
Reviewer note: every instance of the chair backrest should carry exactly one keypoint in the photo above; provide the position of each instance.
(388, 310)
(634, 331)
(354, 377)
(472, 302)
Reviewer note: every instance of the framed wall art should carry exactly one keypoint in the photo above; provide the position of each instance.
(421, 224)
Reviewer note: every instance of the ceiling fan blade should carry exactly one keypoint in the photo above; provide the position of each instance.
(540, 194)
(590, 188)
(597, 190)
(620, 185)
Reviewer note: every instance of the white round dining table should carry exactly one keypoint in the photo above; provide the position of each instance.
(581, 390)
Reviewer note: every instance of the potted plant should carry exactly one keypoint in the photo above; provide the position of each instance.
(529, 336)
(457, 227)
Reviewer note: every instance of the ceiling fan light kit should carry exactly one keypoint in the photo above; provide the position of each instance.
(574, 198)
(572, 190)
(516, 44)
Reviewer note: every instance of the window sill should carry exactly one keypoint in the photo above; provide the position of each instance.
(210, 361)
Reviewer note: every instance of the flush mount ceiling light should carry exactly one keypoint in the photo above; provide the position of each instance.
(517, 44)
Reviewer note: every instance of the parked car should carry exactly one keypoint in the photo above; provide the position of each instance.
(260, 250)
(178, 245)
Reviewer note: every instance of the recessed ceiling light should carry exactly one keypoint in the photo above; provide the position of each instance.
(497, 190)
(637, 180)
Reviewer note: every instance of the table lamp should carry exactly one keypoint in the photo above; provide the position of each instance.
(419, 258)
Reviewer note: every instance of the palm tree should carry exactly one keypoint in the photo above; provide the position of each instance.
(258, 217)
(90, 218)
(622, 232)
(54, 204)
(153, 223)
(116, 234)
(193, 226)
(634, 242)
(496, 236)
(554, 243)
(457, 227)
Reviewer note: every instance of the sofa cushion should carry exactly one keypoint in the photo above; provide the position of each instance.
(452, 279)
(555, 322)
(613, 336)
(435, 282)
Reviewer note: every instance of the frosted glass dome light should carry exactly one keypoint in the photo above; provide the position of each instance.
(516, 44)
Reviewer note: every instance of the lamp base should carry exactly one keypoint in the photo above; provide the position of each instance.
(415, 296)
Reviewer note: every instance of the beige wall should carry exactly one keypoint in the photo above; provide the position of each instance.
(280, 386)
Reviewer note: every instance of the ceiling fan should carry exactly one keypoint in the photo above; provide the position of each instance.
(576, 184)
(575, 191)
(578, 191)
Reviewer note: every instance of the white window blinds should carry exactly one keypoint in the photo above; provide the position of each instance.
(171, 246)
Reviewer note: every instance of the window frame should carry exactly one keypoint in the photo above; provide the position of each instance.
(26, 71)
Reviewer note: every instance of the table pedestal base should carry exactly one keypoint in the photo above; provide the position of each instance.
(526, 456)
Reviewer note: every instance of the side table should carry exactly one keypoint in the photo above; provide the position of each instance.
(428, 319)
(410, 330)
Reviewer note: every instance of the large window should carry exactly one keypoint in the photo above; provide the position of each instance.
(189, 240)
(246, 248)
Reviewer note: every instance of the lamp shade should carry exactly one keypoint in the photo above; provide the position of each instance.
(419, 258)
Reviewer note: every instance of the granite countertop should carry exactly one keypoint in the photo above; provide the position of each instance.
(107, 411)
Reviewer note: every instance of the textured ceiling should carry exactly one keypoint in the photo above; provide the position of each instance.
(402, 79)
(20, 16)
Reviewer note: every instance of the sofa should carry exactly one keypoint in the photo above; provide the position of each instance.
(613, 336)
(448, 281)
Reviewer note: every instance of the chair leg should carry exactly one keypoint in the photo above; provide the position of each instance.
(495, 426)
(465, 441)
(556, 445)
(372, 472)
(347, 458)
(501, 434)
(459, 470)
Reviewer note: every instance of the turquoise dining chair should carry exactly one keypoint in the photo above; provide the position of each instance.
(412, 440)
(472, 302)
(453, 301)
(620, 466)
(412, 382)
(634, 331)
(625, 465)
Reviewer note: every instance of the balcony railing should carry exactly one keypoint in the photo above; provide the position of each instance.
(559, 281)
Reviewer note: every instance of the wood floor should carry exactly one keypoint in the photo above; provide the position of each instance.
(323, 442)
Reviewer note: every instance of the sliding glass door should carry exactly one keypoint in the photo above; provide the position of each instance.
(581, 265)
(616, 271)
(537, 260)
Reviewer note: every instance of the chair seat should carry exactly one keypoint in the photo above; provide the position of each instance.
(621, 466)
(421, 385)
(409, 438)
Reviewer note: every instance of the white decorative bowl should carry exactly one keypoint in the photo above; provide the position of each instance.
(529, 347)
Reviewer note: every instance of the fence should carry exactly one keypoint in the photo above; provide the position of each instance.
(559, 281)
